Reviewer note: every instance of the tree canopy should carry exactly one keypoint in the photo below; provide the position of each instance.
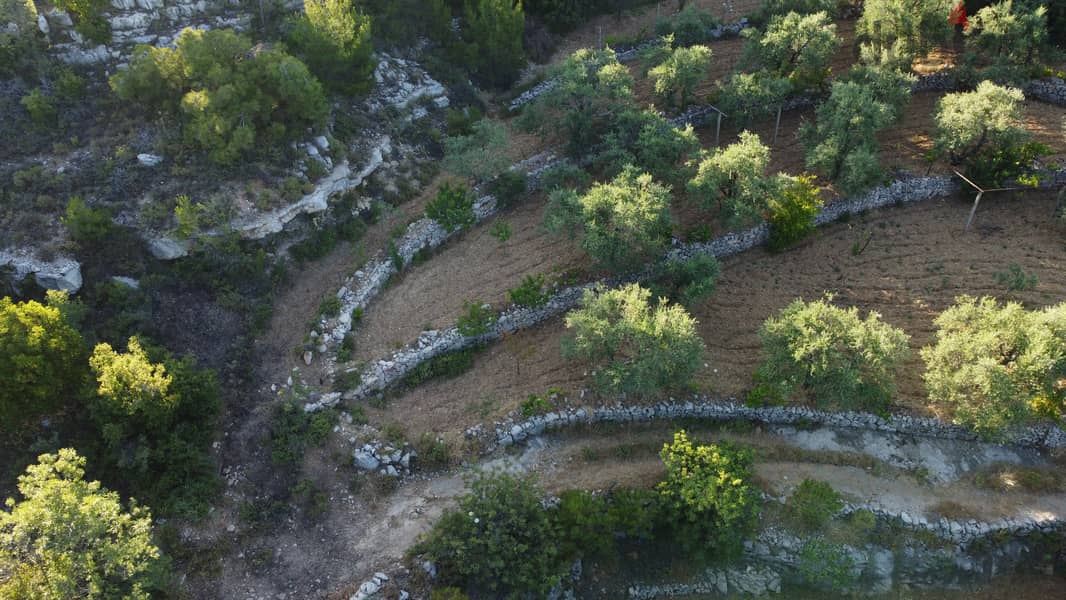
(334, 39)
(904, 28)
(635, 347)
(794, 46)
(997, 365)
(839, 359)
(680, 73)
(41, 360)
(969, 123)
(70, 538)
(733, 179)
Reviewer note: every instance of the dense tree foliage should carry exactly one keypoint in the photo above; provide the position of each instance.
(838, 359)
(1013, 31)
(623, 223)
(500, 542)
(998, 365)
(41, 360)
(748, 97)
(791, 211)
(708, 495)
(733, 179)
(493, 32)
(591, 89)
(686, 281)
(690, 26)
(156, 419)
(19, 45)
(649, 142)
(986, 119)
(904, 28)
(636, 347)
(678, 75)
(794, 46)
(232, 98)
(770, 8)
(334, 40)
(842, 142)
(70, 538)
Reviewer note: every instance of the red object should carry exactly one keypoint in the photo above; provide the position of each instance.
(958, 16)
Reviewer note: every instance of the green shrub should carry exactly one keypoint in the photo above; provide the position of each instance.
(42, 108)
(500, 230)
(87, 225)
(534, 405)
(334, 39)
(293, 431)
(69, 85)
(433, 453)
(1015, 279)
(531, 292)
(646, 141)
(794, 46)
(453, 207)
(792, 212)
(998, 365)
(19, 46)
(346, 381)
(477, 319)
(634, 347)
(731, 179)
(904, 27)
(42, 361)
(509, 187)
(770, 8)
(233, 100)
(687, 282)
(750, 97)
(499, 542)
(481, 154)
(564, 176)
(840, 360)
(987, 119)
(683, 70)
(689, 27)
(329, 307)
(814, 503)
(707, 495)
(825, 565)
(447, 365)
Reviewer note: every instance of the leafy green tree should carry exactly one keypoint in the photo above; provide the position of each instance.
(904, 28)
(814, 503)
(70, 538)
(493, 31)
(19, 45)
(156, 420)
(41, 360)
(453, 207)
(826, 565)
(794, 46)
(690, 26)
(888, 85)
(998, 365)
(649, 142)
(481, 155)
(686, 281)
(499, 543)
(87, 225)
(333, 38)
(625, 222)
(1014, 31)
(984, 120)
(842, 143)
(590, 524)
(840, 360)
(591, 89)
(635, 347)
(708, 495)
(748, 97)
(232, 99)
(732, 178)
(681, 72)
(792, 210)
(88, 18)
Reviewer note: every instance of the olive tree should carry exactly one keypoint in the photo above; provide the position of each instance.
(969, 123)
(842, 142)
(797, 47)
(748, 97)
(634, 346)
(1015, 31)
(651, 143)
(624, 223)
(590, 89)
(708, 495)
(481, 155)
(732, 178)
(996, 365)
(71, 538)
(836, 357)
(904, 28)
(680, 73)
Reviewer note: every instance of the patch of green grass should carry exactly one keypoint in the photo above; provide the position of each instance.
(1015, 279)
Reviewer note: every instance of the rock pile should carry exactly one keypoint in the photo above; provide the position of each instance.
(384, 459)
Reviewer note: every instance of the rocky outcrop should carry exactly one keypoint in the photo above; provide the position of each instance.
(60, 274)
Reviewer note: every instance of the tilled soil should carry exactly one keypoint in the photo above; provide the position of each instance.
(915, 262)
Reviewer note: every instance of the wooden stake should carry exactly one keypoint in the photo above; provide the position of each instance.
(777, 125)
(973, 211)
